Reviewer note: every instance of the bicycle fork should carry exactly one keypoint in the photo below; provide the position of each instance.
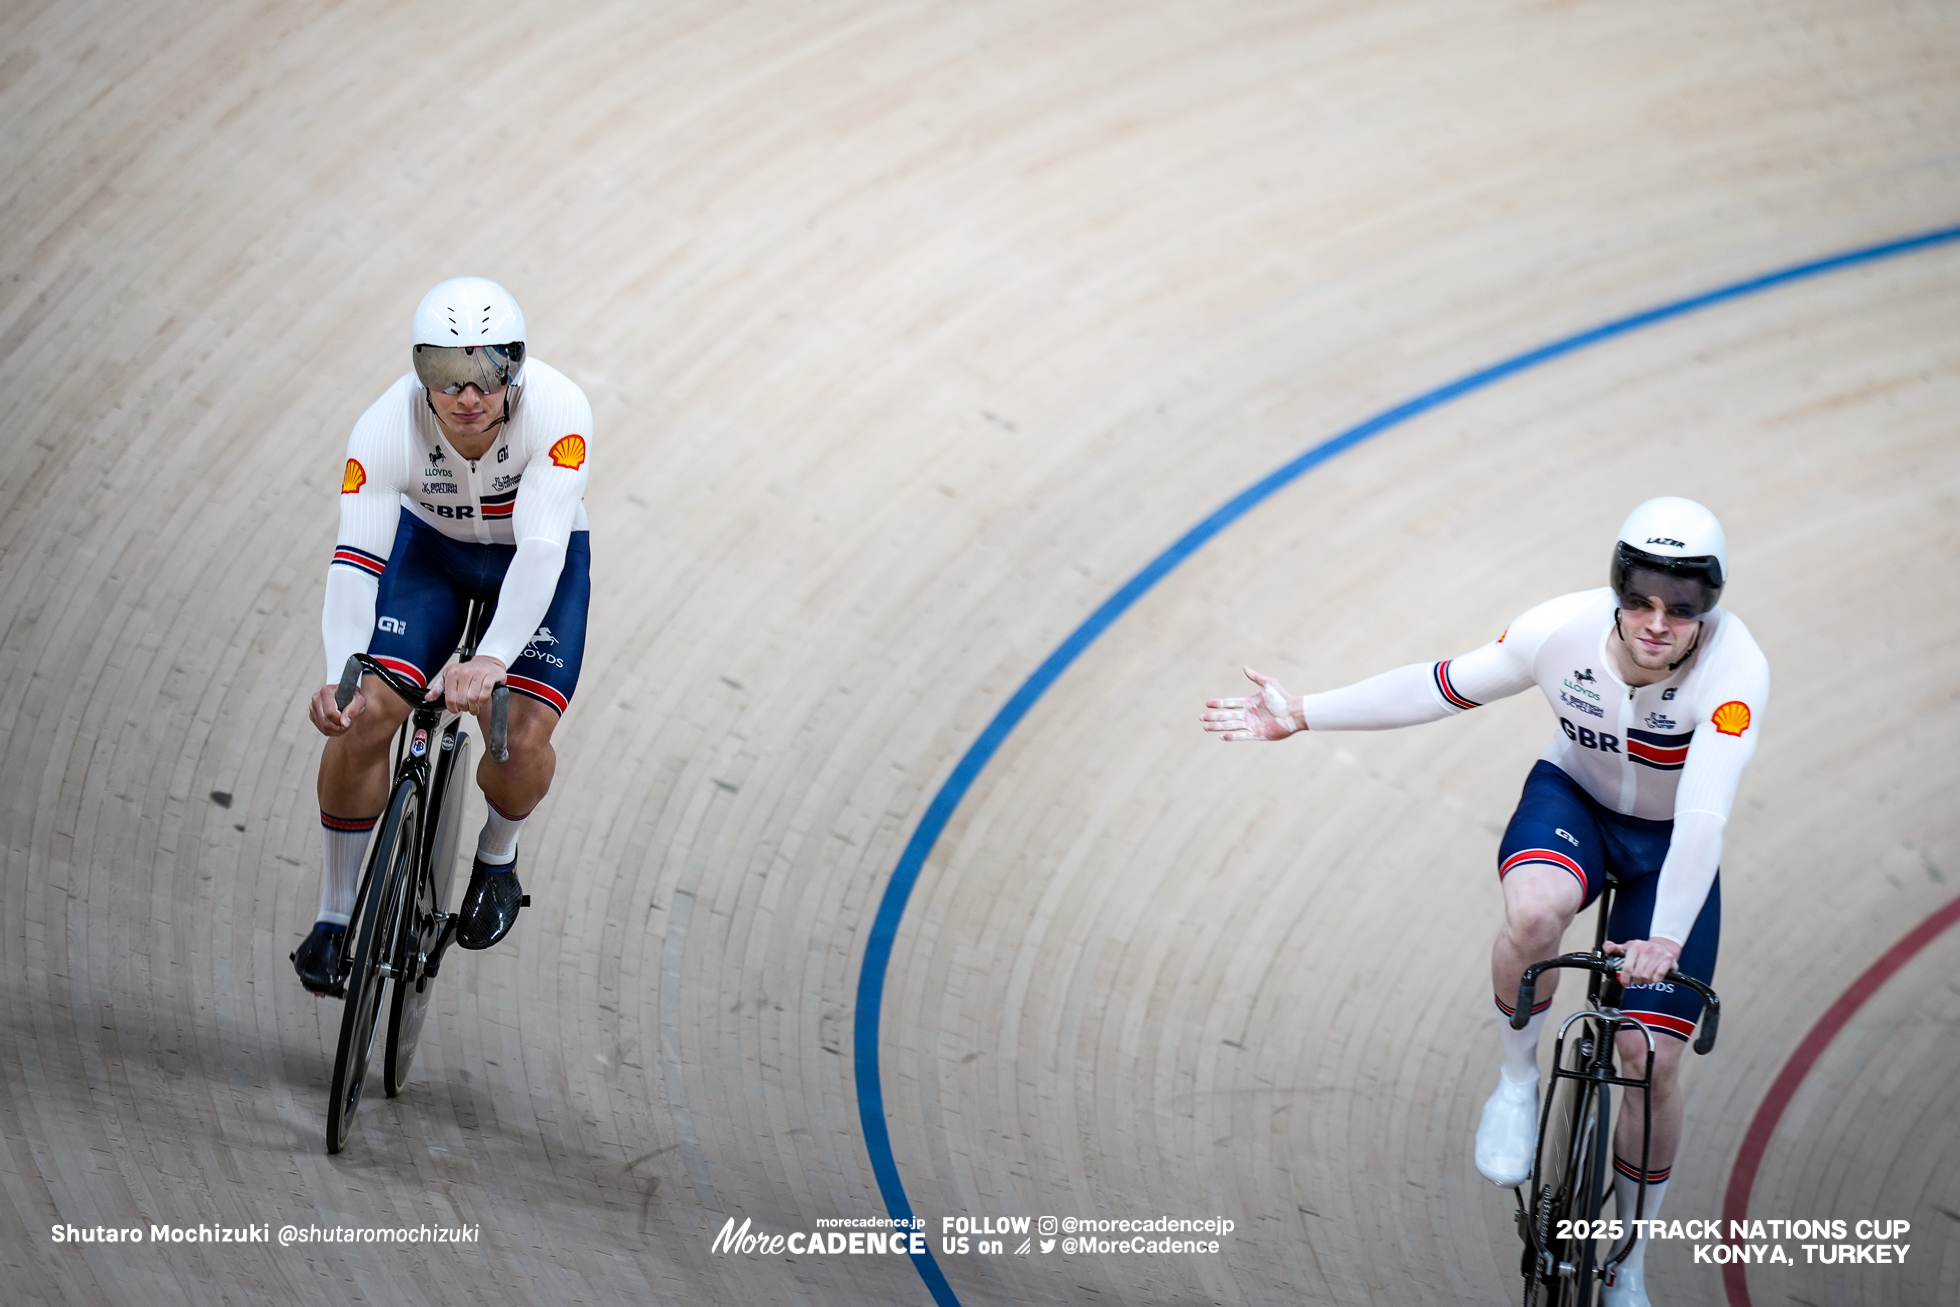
(1585, 1170)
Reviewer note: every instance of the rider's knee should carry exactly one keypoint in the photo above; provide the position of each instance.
(1540, 902)
(367, 740)
(1535, 917)
(530, 727)
(1667, 1056)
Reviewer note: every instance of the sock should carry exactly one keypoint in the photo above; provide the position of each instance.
(1521, 1046)
(343, 843)
(497, 845)
(1626, 1185)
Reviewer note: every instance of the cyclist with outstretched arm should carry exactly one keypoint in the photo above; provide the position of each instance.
(1659, 695)
(466, 479)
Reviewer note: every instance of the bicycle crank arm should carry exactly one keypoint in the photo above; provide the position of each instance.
(450, 923)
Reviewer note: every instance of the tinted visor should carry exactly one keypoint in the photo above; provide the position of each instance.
(1687, 587)
(448, 368)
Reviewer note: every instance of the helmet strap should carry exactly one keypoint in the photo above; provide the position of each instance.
(1693, 645)
(511, 392)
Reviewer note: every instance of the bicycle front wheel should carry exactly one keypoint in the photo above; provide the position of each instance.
(389, 869)
(422, 911)
(1560, 1262)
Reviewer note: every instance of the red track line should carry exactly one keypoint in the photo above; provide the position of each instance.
(1756, 1143)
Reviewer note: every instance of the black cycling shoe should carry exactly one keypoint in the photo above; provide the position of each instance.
(318, 959)
(490, 907)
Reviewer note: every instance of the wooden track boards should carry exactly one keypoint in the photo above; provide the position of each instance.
(912, 330)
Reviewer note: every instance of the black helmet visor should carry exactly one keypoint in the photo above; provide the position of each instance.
(1687, 587)
(448, 368)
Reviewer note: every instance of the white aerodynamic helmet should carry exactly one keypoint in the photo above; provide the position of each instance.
(1672, 549)
(468, 332)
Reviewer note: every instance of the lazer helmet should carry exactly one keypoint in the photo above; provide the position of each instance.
(469, 332)
(1673, 550)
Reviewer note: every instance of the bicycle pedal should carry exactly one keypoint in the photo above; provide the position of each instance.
(524, 902)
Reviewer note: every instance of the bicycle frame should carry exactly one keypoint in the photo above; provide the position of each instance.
(415, 742)
(1599, 1025)
(399, 901)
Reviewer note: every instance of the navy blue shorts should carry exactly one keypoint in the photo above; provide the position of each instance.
(426, 590)
(1558, 824)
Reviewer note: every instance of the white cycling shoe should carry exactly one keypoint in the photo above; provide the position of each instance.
(1629, 1289)
(1507, 1136)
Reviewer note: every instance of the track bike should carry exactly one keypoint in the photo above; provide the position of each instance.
(401, 927)
(1558, 1209)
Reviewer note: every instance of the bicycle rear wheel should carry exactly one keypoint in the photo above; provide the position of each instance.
(390, 866)
(1567, 1183)
(422, 913)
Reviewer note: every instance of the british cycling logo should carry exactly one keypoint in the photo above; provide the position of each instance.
(1581, 704)
(438, 488)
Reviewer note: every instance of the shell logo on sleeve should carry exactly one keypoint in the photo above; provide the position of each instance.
(569, 453)
(1732, 718)
(353, 478)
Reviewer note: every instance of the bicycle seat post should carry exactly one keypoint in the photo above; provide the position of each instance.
(474, 625)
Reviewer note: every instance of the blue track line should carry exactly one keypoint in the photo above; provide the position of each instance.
(898, 891)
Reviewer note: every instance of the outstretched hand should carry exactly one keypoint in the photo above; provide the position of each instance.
(1269, 715)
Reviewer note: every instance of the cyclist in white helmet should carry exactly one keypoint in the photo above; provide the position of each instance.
(465, 479)
(1659, 695)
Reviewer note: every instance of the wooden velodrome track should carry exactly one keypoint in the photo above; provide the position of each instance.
(913, 330)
